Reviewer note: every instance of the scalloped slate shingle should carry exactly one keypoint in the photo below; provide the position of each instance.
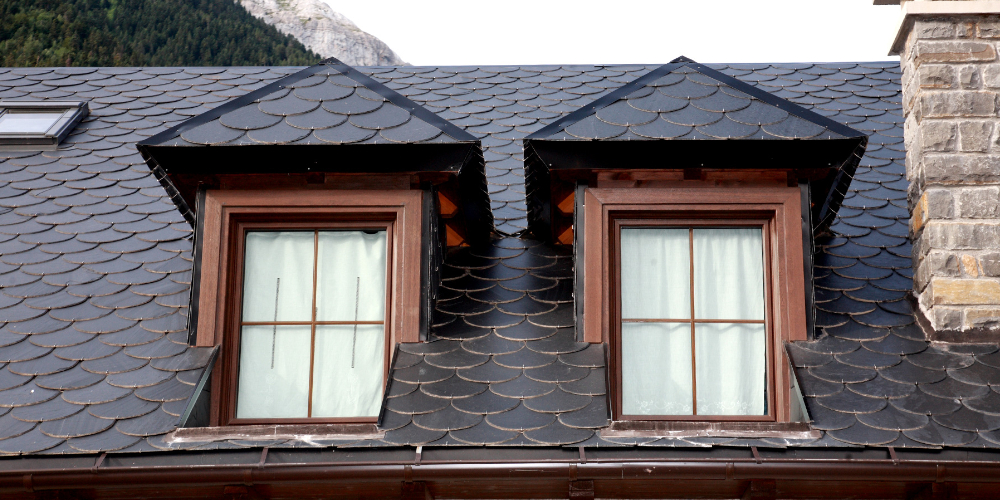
(95, 267)
(684, 100)
(329, 103)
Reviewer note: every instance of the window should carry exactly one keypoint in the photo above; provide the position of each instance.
(305, 292)
(704, 286)
(314, 347)
(693, 334)
(26, 125)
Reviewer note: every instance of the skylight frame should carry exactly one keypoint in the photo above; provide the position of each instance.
(72, 113)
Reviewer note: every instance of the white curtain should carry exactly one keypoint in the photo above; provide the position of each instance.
(728, 273)
(270, 256)
(656, 369)
(348, 360)
(279, 392)
(343, 390)
(731, 368)
(655, 271)
(730, 358)
(351, 263)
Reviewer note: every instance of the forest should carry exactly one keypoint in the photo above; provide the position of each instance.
(141, 33)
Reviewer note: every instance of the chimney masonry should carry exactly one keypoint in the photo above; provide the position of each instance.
(951, 104)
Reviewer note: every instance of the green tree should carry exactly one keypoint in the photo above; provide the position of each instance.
(141, 33)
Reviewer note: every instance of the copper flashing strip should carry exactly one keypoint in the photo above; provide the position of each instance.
(682, 429)
(305, 432)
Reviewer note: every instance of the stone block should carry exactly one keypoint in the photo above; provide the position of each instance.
(970, 77)
(970, 265)
(946, 318)
(983, 318)
(975, 135)
(990, 263)
(988, 29)
(935, 263)
(957, 104)
(948, 235)
(938, 135)
(991, 76)
(940, 203)
(952, 52)
(929, 30)
(952, 291)
(951, 168)
(940, 76)
(980, 203)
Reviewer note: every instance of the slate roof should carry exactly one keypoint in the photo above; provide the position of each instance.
(95, 270)
(685, 100)
(329, 103)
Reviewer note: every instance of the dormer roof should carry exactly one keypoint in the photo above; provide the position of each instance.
(685, 115)
(329, 117)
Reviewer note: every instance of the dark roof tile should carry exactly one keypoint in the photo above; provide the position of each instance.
(53, 409)
(126, 407)
(33, 441)
(109, 440)
(937, 435)
(79, 424)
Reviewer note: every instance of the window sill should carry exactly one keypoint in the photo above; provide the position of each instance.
(302, 432)
(673, 429)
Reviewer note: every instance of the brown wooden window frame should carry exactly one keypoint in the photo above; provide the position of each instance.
(776, 209)
(230, 214)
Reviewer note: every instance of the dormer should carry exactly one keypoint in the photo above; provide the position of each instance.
(321, 202)
(691, 199)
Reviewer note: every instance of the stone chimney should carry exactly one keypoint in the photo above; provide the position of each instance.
(951, 103)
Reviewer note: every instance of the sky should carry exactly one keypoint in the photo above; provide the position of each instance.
(453, 32)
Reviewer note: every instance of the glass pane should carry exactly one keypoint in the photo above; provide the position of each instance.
(27, 123)
(656, 369)
(731, 368)
(348, 371)
(728, 273)
(351, 264)
(278, 272)
(278, 390)
(656, 267)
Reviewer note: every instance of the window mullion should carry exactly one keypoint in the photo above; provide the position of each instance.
(312, 326)
(694, 368)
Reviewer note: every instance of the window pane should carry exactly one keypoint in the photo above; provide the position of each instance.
(656, 369)
(655, 272)
(343, 390)
(27, 123)
(731, 368)
(274, 256)
(728, 273)
(351, 264)
(281, 391)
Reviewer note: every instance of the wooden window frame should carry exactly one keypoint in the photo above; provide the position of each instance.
(231, 343)
(228, 214)
(776, 208)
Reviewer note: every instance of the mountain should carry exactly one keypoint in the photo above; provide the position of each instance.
(324, 31)
(141, 33)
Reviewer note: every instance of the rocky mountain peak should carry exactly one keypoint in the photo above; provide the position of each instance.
(324, 31)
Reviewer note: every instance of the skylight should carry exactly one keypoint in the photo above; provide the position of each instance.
(26, 125)
(27, 122)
